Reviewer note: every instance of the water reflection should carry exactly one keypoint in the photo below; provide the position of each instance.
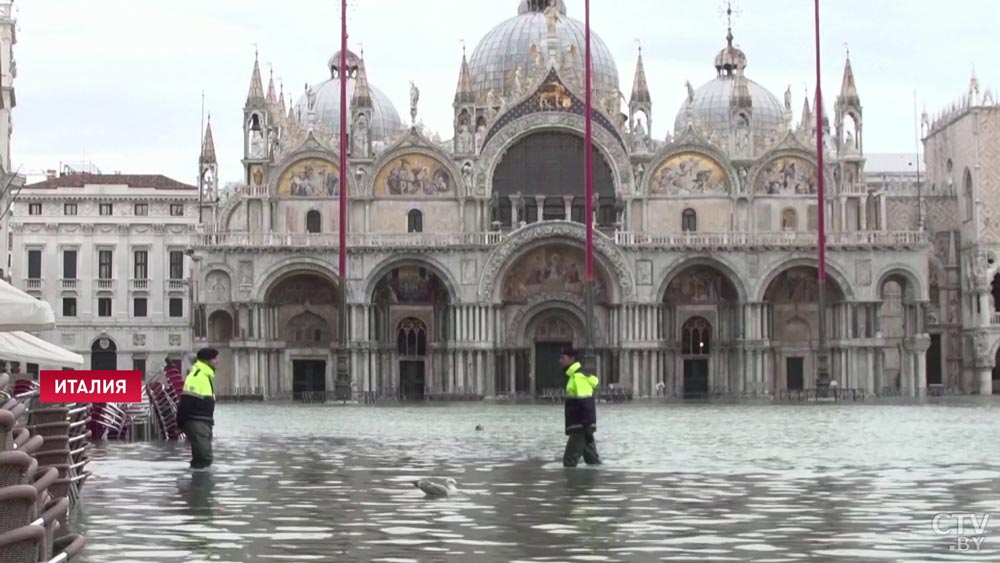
(734, 483)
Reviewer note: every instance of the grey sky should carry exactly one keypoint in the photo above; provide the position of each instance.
(119, 82)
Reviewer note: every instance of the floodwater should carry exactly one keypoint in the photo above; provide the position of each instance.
(708, 482)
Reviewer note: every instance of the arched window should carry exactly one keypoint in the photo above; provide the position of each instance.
(689, 221)
(696, 337)
(414, 221)
(411, 338)
(789, 220)
(970, 202)
(314, 222)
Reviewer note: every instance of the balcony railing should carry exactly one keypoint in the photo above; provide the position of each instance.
(140, 285)
(69, 283)
(787, 240)
(32, 283)
(104, 284)
(176, 285)
(354, 240)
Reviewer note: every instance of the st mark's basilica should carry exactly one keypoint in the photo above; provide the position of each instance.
(466, 257)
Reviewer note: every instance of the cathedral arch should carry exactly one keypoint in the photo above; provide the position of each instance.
(380, 273)
(835, 277)
(729, 285)
(689, 170)
(295, 265)
(608, 258)
(412, 153)
(789, 172)
(908, 281)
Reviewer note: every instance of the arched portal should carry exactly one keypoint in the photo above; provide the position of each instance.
(700, 291)
(410, 322)
(696, 348)
(220, 327)
(551, 332)
(793, 323)
(304, 307)
(901, 317)
(104, 354)
(540, 178)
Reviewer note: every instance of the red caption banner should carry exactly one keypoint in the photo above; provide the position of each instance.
(90, 386)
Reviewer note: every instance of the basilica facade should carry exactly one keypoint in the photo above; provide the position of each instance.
(465, 268)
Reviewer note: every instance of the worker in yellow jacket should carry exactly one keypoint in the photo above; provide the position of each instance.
(580, 412)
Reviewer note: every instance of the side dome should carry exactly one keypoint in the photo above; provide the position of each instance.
(385, 119)
(508, 46)
(710, 106)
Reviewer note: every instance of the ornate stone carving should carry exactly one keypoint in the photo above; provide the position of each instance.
(863, 272)
(981, 350)
(246, 273)
(219, 288)
(469, 271)
(516, 328)
(644, 272)
(500, 257)
(176, 339)
(52, 227)
(87, 228)
(138, 339)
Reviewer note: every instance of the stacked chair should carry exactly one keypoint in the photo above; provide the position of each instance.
(41, 451)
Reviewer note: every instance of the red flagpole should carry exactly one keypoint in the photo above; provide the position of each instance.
(588, 179)
(823, 369)
(343, 144)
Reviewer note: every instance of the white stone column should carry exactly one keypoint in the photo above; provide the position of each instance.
(540, 208)
(568, 207)
(882, 216)
(863, 212)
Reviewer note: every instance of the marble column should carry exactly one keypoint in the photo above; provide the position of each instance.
(540, 208)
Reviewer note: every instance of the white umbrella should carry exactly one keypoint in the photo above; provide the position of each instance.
(22, 347)
(20, 311)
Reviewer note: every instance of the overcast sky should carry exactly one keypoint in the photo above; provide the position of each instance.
(119, 82)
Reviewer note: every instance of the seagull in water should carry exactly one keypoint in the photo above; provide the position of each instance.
(436, 490)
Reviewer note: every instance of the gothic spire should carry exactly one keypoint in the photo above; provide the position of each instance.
(849, 89)
(208, 145)
(272, 96)
(256, 93)
(362, 97)
(640, 89)
(464, 93)
(808, 123)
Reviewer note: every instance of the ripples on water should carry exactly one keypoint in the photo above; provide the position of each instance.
(682, 483)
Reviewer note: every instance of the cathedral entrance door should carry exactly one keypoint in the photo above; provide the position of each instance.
(309, 380)
(795, 373)
(696, 378)
(934, 361)
(549, 375)
(411, 379)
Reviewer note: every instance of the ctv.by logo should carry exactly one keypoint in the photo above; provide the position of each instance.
(968, 529)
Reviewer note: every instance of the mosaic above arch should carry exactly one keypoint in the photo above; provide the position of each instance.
(555, 268)
(700, 285)
(787, 175)
(689, 173)
(414, 174)
(411, 285)
(311, 178)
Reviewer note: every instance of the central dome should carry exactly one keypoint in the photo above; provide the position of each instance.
(508, 47)
(385, 120)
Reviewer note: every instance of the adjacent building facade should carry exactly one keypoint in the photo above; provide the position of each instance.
(108, 251)
(10, 182)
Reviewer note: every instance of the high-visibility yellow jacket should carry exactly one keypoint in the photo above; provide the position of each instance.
(197, 401)
(580, 409)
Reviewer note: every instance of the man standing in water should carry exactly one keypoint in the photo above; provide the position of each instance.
(581, 412)
(196, 409)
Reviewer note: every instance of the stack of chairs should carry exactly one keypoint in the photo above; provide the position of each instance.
(164, 397)
(107, 421)
(67, 442)
(33, 513)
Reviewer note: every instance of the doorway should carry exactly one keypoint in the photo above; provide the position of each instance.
(549, 375)
(104, 355)
(934, 375)
(309, 380)
(696, 378)
(411, 379)
(795, 374)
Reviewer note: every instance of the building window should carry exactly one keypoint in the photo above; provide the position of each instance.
(141, 210)
(34, 209)
(414, 221)
(176, 307)
(314, 222)
(970, 202)
(141, 267)
(69, 209)
(104, 307)
(176, 264)
(34, 264)
(689, 221)
(104, 258)
(69, 306)
(139, 365)
(411, 338)
(789, 220)
(176, 209)
(139, 307)
(107, 209)
(69, 264)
